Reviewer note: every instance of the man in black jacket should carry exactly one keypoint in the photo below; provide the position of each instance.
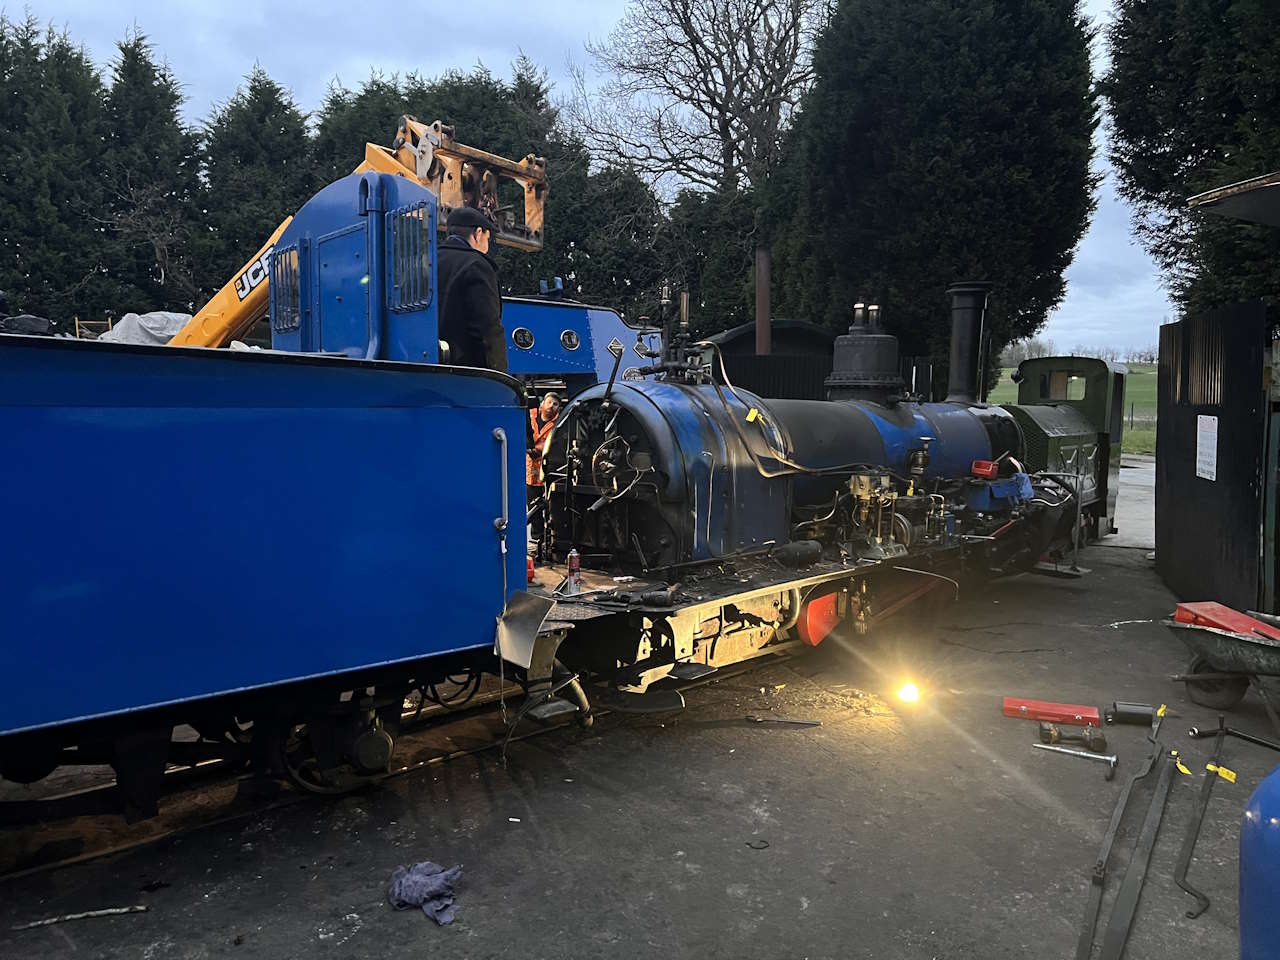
(470, 303)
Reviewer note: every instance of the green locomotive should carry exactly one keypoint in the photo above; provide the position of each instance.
(1071, 411)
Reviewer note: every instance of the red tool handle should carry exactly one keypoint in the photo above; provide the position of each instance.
(1069, 713)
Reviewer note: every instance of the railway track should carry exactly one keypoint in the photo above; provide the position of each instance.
(209, 794)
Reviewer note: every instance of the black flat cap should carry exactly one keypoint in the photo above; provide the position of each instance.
(469, 218)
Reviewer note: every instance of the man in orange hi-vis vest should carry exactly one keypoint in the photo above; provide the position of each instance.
(541, 421)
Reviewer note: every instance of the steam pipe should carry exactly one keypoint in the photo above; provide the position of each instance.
(764, 309)
(968, 313)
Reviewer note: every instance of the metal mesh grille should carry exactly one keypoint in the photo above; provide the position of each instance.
(1036, 448)
(285, 293)
(1205, 362)
(1171, 360)
(1049, 430)
(411, 228)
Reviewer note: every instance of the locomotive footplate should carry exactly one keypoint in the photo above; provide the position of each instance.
(633, 631)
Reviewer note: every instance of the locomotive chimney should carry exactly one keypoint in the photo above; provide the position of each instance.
(968, 313)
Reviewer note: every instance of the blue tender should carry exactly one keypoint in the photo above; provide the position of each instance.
(184, 523)
(1260, 872)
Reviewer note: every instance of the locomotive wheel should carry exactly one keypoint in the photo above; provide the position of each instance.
(303, 770)
(1214, 694)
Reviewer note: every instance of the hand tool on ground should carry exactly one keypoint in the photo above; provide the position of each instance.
(1098, 878)
(799, 723)
(1126, 902)
(1138, 714)
(1073, 713)
(1090, 738)
(1211, 775)
(1109, 759)
(1199, 734)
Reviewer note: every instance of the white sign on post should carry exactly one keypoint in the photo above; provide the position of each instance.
(1207, 447)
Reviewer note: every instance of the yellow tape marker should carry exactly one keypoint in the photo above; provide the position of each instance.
(1160, 712)
(1177, 762)
(1223, 772)
(752, 414)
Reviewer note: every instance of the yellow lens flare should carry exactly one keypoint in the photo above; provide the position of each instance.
(909, 693)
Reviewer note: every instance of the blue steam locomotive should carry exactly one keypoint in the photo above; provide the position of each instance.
(300, 538)
(843, 509)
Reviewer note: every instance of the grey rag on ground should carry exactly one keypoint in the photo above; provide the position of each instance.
(427, 885)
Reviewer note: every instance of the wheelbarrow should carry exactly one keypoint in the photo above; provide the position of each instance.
(1230, 651)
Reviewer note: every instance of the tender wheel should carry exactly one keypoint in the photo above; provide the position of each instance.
(1214, 694)
(305, 771)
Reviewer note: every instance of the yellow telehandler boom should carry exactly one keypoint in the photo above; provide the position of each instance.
(457, 174)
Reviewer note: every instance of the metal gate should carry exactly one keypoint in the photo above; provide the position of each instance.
(1216, 457)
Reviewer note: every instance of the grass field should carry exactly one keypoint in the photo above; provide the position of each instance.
(1139, 405)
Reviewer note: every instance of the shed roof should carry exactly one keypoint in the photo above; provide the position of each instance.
(778, 325)
(1256, 200)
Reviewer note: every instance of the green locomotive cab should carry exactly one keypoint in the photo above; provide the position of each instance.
(1071, 410)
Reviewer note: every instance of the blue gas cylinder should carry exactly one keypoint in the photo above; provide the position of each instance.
(1260, 872)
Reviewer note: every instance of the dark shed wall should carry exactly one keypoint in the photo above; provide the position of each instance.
(1210, 532)
(796, 369)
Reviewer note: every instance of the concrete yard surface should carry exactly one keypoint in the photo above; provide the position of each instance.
(1135, 508)
(888, 832)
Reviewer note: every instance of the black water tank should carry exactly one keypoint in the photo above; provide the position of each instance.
(968, 311)
(865, 361)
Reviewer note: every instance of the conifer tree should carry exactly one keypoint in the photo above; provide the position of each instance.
(152, 191)
(1194, 98)
(349, 119)
(943, 140)
(259, 170)
(51, 131)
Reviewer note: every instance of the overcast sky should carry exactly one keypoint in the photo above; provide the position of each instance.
(1113, 293)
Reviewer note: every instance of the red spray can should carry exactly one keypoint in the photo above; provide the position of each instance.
(575, 571)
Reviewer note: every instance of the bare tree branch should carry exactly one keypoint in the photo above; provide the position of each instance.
(700, 91)
(145, 216)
